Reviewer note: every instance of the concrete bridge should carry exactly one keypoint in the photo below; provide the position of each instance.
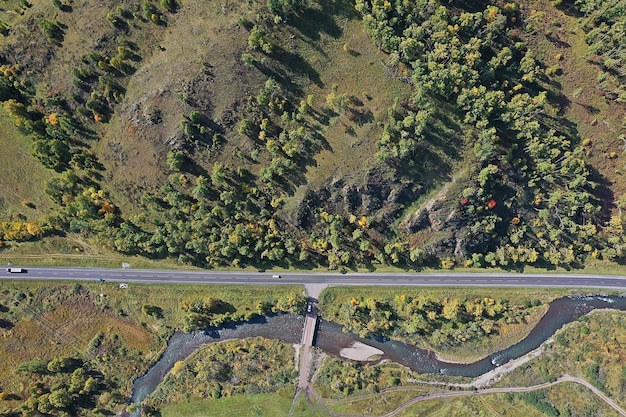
(306, 344)
(308, 334)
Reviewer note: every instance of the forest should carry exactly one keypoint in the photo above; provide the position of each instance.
(469, 154)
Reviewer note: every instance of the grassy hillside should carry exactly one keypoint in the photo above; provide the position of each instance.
(315, 133)
(23, 178)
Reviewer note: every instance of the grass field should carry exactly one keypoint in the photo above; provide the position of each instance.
(258, 405)
(22, 178)
(355, 66)
(379, 404)
(197, 60)
(560, 40)
(566, 399)
(167, 297)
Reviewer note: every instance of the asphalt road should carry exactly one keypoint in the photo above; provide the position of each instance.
(351, 278)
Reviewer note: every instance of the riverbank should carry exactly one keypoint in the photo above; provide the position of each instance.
(496, 374)
(509, 335)
(460, 325)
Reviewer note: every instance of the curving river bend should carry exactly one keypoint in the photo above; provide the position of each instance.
(331, 339)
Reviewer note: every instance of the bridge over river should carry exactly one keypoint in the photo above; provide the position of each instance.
(305, 352)
(306, 346)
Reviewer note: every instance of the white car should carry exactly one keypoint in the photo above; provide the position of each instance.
(16, 270)
(276, 276)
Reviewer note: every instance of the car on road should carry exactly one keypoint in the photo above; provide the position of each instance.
(276, 276)
(309, 308)
(17, 270)
(100, 280)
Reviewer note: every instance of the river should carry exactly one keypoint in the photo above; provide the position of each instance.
(331, 339)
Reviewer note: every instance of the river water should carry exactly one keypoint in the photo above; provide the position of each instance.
(563, 310)
(331, 339)
(287, 328)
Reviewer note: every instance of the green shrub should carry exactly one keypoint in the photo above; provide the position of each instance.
(36, 366)
(153, 311)
(169, 5)
(95, 342)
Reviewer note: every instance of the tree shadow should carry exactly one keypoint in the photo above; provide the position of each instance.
(589, 108)
(120, 24)
(360, 115)
(134, 48)
(603, 193)
(557, 41)
(567, 6)
(297, 64)
(281, 76)
(224, 307)
(471, 6)
(442, 138)
(312, 23)
(86, 402)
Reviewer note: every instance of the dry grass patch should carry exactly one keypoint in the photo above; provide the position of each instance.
(195, 65)
(22, 177)
(277, 404)
(378, 404)
(355, 65)
(65, 331)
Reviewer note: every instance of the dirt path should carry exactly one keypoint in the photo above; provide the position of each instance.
(496, 374)
(304, 386)
(564, 378)
(314, 290)
(454, 394)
